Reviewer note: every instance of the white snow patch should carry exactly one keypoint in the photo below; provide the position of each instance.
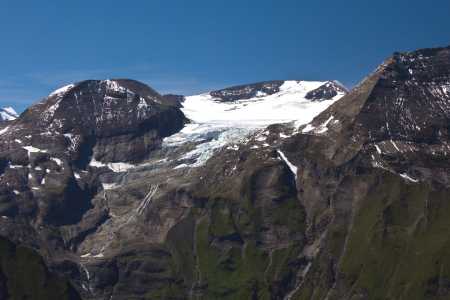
(62, 90)
(57, 160)
(33, 149)
(16, 192)
(4, 217)
(378, 149)
(181, 166)
(110, 186)
(18, 141)
(308, 128)
(43, 181)
(4, 130)
(291, 166)
(95, 163)
(15, 166)
(259, 94)
(323, 127)
(114, 85)
(76, 175)
(409, 178)
(120, 167)
(395, 146)
(261, 138)
(30, 176)
(115, 167)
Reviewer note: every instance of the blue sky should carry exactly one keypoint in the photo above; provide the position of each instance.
(191, 47)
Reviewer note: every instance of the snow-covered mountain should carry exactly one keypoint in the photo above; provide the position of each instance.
(230, 115)
(273, 190)
(7, 114)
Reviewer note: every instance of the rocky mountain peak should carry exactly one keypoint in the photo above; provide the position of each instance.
(113, 120)
(398, 113)
(407, 97)
(327, 91)
(247, 91)
(97, 107)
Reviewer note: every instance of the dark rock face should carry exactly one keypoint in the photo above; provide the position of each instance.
(247, 91)
(326, 91)
(124, 119)
(178, 99)
(400, 112)
(348, 206)
(411, 99)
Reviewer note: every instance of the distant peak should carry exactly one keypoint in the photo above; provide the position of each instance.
(7, 114)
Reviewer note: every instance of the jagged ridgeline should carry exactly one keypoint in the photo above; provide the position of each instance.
(274, 190)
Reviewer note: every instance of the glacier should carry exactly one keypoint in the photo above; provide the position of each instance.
(217, 124)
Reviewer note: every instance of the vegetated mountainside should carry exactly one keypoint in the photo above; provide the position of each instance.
(352, 205)
(373, 174)
(23, 275)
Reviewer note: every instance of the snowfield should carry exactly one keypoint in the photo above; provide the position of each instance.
(233, 122)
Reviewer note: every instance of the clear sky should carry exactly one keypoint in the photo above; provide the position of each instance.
(189, 47)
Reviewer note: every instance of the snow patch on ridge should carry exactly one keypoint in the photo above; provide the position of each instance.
(409, 178)
(33, 149)
(114, 86)
(62, 90)
(4, 130)
(57, 161)
(115, 167)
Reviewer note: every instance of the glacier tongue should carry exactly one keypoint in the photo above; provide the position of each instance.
(222, 123)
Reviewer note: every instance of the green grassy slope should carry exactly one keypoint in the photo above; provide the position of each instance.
(23, 275)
